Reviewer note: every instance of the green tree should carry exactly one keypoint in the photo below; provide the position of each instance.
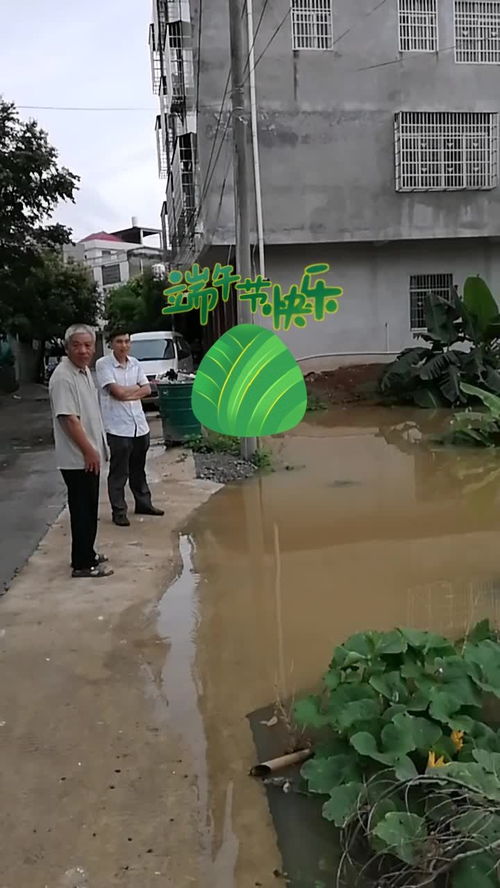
(137, 305)
(31, 185)
(54, 295)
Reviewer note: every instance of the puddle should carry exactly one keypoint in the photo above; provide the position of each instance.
(374, 531)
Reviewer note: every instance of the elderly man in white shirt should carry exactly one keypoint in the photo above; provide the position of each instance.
(122, 385)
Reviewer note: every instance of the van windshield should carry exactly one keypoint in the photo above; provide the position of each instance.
(152, 349)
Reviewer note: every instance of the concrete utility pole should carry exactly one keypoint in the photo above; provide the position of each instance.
(241, 171)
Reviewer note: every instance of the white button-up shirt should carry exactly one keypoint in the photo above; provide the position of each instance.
(123, 418)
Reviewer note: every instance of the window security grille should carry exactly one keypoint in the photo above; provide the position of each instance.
(420, 285)
(312, 26)
(162, 145)
(418, 25)
(477, 31)
(446, 150)
(111, 274)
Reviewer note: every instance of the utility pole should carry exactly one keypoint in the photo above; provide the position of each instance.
(240, 172)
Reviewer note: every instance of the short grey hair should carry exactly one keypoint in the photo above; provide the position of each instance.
(75, 329)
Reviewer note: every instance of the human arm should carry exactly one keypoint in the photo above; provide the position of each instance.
(76, 432)
(128, 392)
(106, 380)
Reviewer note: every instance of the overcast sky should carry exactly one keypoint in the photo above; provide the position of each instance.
(90, 53)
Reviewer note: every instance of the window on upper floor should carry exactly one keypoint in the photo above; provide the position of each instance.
(420, 285)
(446, 150)
(312, 25)
(418, 25)
(111, 274)
(477, 31)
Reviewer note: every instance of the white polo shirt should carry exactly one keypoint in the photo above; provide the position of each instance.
(123, 418)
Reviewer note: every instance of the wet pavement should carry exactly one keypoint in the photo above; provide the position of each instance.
(153, 678)
(31, 489)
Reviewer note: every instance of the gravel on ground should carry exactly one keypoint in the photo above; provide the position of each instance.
(222, 467)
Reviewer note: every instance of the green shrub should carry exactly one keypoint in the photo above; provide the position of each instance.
(410, 770)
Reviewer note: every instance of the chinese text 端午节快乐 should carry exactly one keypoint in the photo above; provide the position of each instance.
(197, 290)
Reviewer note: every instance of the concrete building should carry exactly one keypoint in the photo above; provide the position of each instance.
(118, 256)
(377, 135)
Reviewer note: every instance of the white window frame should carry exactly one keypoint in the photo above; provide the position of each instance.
(432, 285)
(477, 50)
(300, 11)
(408, 29)
(436, 154)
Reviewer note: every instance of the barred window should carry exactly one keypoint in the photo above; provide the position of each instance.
(420, 285)
(312, 26)
(111, 274)
(418, 25)
(477, 31)
(446, 150)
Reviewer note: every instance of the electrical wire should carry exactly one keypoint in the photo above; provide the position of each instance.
(71, 108)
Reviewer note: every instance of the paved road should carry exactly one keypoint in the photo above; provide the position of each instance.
(31, 489)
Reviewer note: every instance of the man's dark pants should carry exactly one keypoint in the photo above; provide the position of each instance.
(128, 463)
(83, 502)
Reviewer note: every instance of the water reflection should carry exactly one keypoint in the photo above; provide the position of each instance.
(378, 529)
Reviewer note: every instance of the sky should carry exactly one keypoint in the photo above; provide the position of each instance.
(91, 53)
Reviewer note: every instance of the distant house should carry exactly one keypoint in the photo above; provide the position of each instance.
(116, 257)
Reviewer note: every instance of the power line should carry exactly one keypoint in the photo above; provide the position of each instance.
(71, 108)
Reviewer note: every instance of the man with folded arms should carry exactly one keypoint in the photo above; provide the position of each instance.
(122, 385)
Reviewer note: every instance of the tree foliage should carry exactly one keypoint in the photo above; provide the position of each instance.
(137, 305)
(32, 183)
(54, 295)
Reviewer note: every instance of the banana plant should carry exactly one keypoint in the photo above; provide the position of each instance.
(463, 336)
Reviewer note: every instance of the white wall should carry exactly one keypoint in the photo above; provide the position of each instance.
(374, 314)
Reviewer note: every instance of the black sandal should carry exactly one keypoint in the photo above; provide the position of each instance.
(93, 573)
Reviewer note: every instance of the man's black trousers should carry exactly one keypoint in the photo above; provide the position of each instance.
(83, 502)
(128, 463)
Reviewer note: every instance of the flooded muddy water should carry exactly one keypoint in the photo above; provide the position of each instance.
(367, 529)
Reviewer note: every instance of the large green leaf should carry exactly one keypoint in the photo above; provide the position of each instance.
(474, 776)
(429, 398)
(427, 641)
(403, 835)
(307, 712)
(440, 319)
(486, 656)
(391, 643)
(490, 761)
(323, 774)
(480, 303)
(343, 803)
(491, 401)
(391, 686)
(357, 711)
(478, 871)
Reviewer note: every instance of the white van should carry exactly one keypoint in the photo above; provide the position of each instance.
(159, 352)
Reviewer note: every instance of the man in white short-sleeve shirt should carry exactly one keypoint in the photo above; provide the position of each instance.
(81, 448)
(122, 385)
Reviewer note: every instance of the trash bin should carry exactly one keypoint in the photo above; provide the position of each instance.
(177, 418)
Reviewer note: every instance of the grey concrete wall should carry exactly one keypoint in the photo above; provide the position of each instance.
(326, 128)
(373, 320)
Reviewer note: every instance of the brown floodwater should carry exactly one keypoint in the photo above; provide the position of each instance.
(368, 527)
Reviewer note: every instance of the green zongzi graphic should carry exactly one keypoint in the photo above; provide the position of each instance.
(249, 385)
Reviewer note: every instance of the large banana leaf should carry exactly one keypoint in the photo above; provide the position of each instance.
(491, 401)
(480, 306)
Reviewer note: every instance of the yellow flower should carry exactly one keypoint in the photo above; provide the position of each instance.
(433, 762)
(457, 738)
